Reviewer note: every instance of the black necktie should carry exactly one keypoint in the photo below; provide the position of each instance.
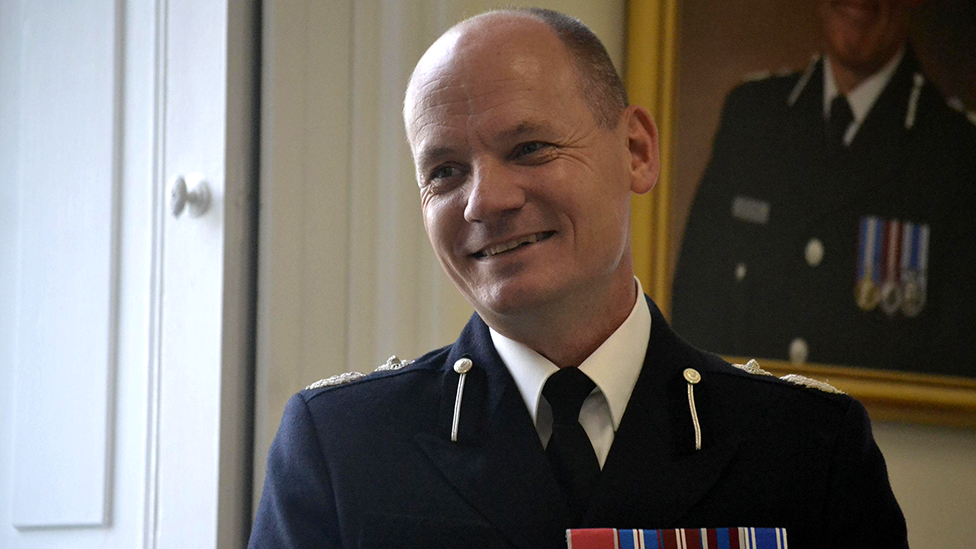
(840, 118)
(570, 452)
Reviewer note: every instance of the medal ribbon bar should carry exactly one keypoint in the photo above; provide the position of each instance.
(681, 538)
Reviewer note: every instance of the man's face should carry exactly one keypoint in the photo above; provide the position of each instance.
(863, 34)
(525, 197)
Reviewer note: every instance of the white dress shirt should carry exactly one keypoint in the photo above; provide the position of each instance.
(861, 98)
(613, 367)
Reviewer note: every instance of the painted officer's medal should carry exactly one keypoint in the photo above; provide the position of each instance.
(867, 292)
(891, 298)
(913, 298)
(891, 287)
(914, 266)
(892, 265)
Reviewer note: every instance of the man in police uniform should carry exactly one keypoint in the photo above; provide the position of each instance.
(567, 401)
(834, 221)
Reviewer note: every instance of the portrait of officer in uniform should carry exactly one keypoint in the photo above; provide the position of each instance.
(567, 401)
(833, 222)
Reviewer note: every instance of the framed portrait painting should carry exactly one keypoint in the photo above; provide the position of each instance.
(815, 207)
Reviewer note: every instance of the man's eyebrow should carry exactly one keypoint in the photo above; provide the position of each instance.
(433, 154)
(521, 129)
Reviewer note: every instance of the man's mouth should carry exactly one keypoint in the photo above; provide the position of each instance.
(513, 244)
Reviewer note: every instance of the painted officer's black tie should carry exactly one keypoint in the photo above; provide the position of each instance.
(570, 452)
(840, 118)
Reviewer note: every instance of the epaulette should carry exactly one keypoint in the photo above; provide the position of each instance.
(957, 105)
(785, 71)
(752, 367)
(392, 363)
(756, 76)
(797, 379)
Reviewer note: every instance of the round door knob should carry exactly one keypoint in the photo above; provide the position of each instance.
(191, 191)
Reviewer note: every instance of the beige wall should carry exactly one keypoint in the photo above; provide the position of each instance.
(933, 475)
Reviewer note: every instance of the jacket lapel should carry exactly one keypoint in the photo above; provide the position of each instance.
(804, 142)
(879, 144)
(800, 143)
(498, 463)
(653, 475)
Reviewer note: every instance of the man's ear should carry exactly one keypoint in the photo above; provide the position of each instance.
(642, 143)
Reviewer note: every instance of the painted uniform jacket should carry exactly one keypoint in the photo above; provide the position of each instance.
(371, 463)
(745, 282)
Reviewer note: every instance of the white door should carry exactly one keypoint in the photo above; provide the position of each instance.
(125, 332)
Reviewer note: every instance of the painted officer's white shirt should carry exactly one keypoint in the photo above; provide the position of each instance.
(613, 367)
(861, 98)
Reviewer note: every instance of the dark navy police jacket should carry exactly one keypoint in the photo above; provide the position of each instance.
(370, 463)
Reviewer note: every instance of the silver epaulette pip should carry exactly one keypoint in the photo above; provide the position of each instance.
(392, 363)
(753, 368)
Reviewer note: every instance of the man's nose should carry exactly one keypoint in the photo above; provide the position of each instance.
(495, 192)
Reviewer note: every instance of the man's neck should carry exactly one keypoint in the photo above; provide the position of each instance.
(848, 78)
(568, 332)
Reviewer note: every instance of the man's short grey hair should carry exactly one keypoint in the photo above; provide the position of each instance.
(600, 85)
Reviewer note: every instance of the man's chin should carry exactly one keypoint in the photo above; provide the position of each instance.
(864, 50)
(513, 300)
(855, 59)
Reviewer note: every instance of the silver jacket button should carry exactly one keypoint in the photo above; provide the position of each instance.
(799, 351)
(740, 272)
(463, 365)
(815, 252)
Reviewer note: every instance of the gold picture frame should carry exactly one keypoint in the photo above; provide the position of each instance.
(652, 45)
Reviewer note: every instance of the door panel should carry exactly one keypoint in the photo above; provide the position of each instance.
(65, 325)
(125, 333)
(76, 261)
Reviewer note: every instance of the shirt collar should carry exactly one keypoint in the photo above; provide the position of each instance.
(862, 97)
(613, 367)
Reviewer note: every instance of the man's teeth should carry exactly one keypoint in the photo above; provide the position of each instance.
(495, 250)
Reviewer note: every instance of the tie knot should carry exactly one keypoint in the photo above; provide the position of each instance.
(565, 391)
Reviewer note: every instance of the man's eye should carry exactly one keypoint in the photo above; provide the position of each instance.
(441, 173)
(524, 149)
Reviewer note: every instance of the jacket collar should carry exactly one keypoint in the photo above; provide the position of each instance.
(652, 476)
(498, 463)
